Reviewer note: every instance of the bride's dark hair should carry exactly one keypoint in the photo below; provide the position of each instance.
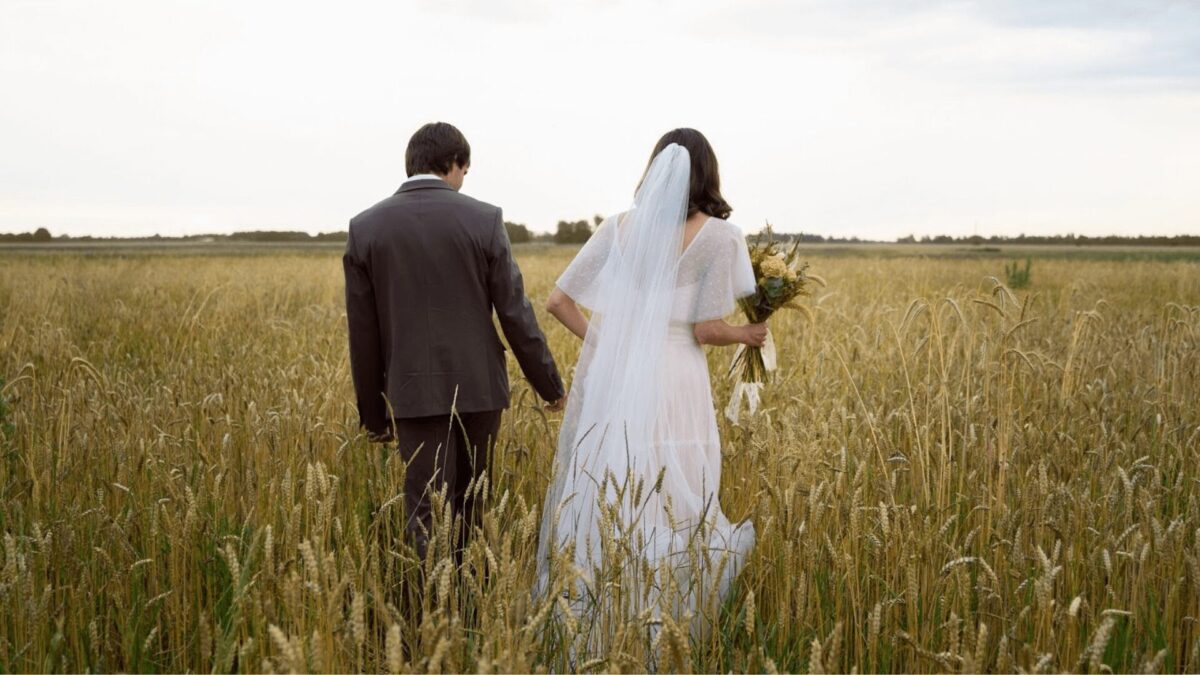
(705, 192)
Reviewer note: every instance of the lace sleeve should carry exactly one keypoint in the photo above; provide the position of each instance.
(582, 278)
(727, 276)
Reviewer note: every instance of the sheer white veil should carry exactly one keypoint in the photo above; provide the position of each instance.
(627, 275)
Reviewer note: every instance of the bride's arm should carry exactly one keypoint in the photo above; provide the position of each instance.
(567, 312)
(719, 333)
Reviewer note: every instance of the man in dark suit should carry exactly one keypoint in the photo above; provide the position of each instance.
(424, 270)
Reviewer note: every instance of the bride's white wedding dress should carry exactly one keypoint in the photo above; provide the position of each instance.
(640, 410)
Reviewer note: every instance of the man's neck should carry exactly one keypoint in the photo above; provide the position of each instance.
(425, 176)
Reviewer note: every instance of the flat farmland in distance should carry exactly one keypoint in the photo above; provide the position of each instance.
(925, 250)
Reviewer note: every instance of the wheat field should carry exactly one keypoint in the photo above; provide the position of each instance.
(949, 476)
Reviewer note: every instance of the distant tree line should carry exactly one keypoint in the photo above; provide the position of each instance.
(41, 235)
(37, 236)
(818, 239)
(1065, 239)
(518, 233)
(578, 231)
(565, 232)
(267, 236)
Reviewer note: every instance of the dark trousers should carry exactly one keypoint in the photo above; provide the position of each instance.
(444, 450)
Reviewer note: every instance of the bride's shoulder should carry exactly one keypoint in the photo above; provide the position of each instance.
(729, 229)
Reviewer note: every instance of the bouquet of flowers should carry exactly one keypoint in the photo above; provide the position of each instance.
(781, 278)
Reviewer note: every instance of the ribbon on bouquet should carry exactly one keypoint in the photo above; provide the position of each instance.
(768, 352)
(747, 390)
(750, 391)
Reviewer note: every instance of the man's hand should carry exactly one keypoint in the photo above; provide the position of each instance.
(557, 406)
(385, 437)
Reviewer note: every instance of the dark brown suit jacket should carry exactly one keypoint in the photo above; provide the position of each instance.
(424, 270)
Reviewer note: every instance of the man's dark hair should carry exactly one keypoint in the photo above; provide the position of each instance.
(436, 148)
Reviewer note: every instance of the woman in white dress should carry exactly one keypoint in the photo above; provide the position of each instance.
(631, 522)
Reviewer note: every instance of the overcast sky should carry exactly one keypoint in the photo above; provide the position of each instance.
(891, 118)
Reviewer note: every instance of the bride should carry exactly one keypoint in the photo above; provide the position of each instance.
(632, 527)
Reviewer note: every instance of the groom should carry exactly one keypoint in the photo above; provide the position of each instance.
(424, 270)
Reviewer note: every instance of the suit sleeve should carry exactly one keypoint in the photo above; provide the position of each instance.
(517, 320)
(366, 352)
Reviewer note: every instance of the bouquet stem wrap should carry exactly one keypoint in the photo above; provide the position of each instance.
(758, 360)
(780, 278)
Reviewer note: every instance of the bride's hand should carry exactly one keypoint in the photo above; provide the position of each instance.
(755, 334)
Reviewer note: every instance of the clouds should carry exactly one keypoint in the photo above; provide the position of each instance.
(872, 118)
(1151, 44)
(1016, 42)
